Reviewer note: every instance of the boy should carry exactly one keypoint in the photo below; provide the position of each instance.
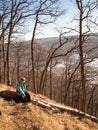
(21, 90)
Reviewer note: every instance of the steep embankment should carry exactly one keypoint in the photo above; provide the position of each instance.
(31, 116)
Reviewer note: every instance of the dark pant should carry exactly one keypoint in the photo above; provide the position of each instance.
(26, 98)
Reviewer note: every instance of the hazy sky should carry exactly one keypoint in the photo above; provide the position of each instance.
(50, 30)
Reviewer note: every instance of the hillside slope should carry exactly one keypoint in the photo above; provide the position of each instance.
(30, 116)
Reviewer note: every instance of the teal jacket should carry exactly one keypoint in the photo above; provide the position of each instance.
(21, 88)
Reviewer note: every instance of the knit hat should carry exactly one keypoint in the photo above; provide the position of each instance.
(23, 79)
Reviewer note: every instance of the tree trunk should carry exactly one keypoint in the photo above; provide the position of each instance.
(18, 66)
(51, 80)
(4, 63)
(81, 58)
(32, 53)
(0, 61)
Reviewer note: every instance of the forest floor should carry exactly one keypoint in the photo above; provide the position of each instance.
(31, 116)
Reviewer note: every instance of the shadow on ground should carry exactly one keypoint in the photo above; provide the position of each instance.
(10, 95)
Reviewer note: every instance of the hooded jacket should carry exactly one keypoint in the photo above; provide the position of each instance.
(21, 88)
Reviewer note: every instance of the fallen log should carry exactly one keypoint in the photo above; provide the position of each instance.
(60, 108)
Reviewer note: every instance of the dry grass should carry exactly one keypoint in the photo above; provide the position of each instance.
(19, 116)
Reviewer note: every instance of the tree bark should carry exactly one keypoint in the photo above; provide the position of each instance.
(80, 7)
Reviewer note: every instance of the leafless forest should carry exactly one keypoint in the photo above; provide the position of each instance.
(59, 68)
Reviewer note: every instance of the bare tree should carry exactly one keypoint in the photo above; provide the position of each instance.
(18, 59)
(84, 14)
(49, 9)
(80, 7)
(12, 16)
